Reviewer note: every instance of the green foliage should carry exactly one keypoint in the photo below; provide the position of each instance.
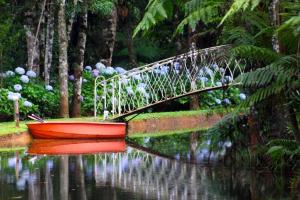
(156, 11)
(283, 153)
(207, 13)
(103, 7)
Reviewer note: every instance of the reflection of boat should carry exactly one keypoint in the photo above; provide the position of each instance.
(77, 130)
(56, 147)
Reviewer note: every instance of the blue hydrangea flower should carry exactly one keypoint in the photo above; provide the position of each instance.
(88, 68)
(9, 73)
(100, 66)
(137, 77)
(222, 70)
(27, 104)
(49, 87)
(109, 71)
(95, 72)
(31, 74)
(227, 101)
(81, 98)
(18, 87)
(142, 85)
(177, 66)
(24, 79)
(203, 79)
(141, 90)
(228, 78)
(120, 70)
(227, 144)
(72, 77)
(157, 71)
(13, 96)
(218, 101)
(215, 66)
(242, 96)
(129, 90)
(164, 70)
(20, 70)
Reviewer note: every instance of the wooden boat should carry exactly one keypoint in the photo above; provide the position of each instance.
(77, 130)
(67, 146)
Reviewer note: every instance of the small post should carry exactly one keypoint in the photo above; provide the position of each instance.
(17, 113)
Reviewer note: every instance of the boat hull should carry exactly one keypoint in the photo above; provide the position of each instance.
(71, 147)
(77, 130)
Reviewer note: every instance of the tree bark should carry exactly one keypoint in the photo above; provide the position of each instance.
(33, 52)
(71, 20)
(78, 65)
(49, 42)
(63, 60)
(109, 37)
(130, 47)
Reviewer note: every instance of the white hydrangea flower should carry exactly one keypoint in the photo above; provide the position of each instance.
(18, 87)
(31, 74)
(49, 87)
(24, 79)
(9, 73)
(20, 70)
(13, 96)
(242, 96)
(27, 104)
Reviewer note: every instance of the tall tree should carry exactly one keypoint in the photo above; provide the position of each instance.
(82, 22)
(49, 41)
(109, 37)
(63, 60)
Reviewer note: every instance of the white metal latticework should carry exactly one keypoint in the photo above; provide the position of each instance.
(168, 79)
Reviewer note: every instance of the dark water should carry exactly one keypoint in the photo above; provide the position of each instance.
(161, 172)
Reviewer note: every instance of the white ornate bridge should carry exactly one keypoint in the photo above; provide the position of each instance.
(190, 73)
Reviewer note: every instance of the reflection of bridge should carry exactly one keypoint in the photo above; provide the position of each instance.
(151, 176)
(141, 88)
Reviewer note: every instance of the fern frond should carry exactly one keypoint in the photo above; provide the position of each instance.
(240, 5)
(156, 11)
(206, 14)
(251, 52)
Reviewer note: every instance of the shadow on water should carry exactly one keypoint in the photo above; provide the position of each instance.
(149, 168)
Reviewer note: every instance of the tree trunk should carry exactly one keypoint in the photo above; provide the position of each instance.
(49, 42)
(78, 65)
(33, 52)
(109, 37)
(71, 20)
(41, 34)
(131, 54)
(63, 60)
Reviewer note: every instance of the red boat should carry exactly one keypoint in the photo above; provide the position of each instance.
(77, 130)
(67, 146)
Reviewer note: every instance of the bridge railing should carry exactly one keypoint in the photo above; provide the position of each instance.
(182, 75)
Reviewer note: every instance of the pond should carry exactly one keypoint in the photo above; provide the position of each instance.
(168, 167)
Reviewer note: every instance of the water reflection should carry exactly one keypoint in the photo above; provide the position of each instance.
(133, 174)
